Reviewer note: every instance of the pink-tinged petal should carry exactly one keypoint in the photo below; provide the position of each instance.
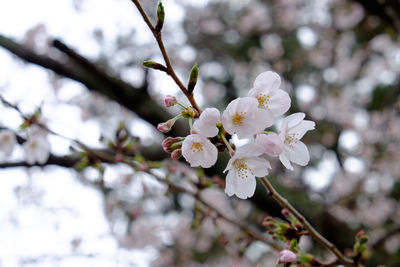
(245, 187)
(284, 158)
(270, 144)
(264, 117)
(279, 103)
(299, 154)
(170, 101)
(259, 166)
(293, 119)
(301, 128)
(268, 80)
(230, 183)
(286, 256)
(206, 124)
(248, 150)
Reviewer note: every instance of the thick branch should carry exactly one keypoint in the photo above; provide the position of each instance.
(80, 69)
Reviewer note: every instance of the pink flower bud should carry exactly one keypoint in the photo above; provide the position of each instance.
(170, 100)
(176, 154)
(170, 143)
(286, 256)
(270, 144)
(166, 126)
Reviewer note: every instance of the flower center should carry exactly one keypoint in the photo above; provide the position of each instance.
(196, 147)
(263, 100)
(238, 118)
(291, 139)
(242, 170)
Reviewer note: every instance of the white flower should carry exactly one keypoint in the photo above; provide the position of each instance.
(270, 97)
(293, 129)
(7, 141)
(243, 168)
(243, 117)
(270, 143)
(37, 149)
(199, 151)
(206, 124)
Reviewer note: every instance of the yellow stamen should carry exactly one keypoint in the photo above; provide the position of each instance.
(242, 170)
(263, 100)
(238, 118)
(196, 147)
(291, 139)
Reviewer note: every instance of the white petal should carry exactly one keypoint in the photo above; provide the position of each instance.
(301, 128)
(268, 80)
(284, 158)
(259, 166)
(253, 119)
(210, 154)
(7, 142)
(299, 154)
(279, 103)
(293, 119)
(206, 124)
(245, 187)
(230, 183)
(205, 155)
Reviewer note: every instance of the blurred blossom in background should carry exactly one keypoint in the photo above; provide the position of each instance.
(340, 63)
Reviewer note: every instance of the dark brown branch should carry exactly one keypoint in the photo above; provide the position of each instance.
(170, 69)
(312, 231)
(80, 69)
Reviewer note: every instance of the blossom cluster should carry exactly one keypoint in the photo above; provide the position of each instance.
(36, 146)
(247, 118)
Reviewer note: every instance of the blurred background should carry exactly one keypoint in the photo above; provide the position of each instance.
(80, 62)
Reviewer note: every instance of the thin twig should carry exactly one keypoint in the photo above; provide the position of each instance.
(313, 232)
(109, 158)
(170, 69)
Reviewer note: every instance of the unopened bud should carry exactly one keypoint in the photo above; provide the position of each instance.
(176, 154)
(286, 256)
(171, 143)
(154, 65)
(160, 17)
(170, 101)
(165, 126)
(194, 74)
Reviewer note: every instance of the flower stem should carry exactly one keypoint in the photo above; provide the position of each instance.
(182, 105)
(230, 149)
(170, 70)
(312, 231)
(191, 124)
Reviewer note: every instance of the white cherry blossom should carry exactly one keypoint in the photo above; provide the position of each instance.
(199, 151)
(37, 149)
(206, 124)
(243, 168)
(270, 97)
(7, 142)
(243, 117)
(292, 130)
